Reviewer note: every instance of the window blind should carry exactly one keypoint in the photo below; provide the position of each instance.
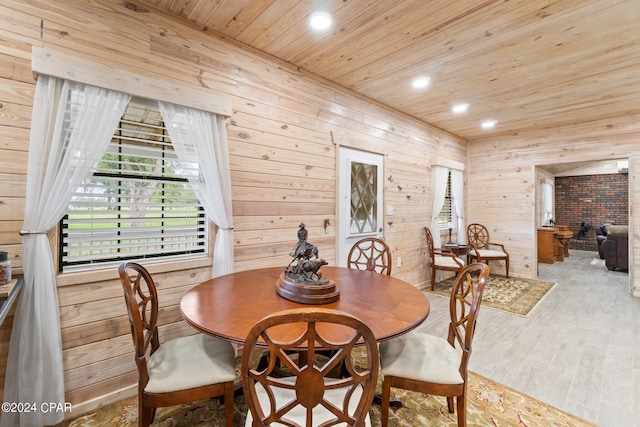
(444, 217)
(138, 203)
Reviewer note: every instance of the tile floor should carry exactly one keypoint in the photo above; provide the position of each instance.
(580, 349)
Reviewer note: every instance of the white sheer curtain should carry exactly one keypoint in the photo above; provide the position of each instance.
(439, 176)
(71, 126)
(200, 141)
(458, 204)
(546, 200)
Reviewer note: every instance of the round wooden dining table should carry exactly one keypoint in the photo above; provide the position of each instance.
(229, 306)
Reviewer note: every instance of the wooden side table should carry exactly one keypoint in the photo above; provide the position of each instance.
(459, 250)
(563, 237)
(547, 245)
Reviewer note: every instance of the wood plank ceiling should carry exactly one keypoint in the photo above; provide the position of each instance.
(529, 64)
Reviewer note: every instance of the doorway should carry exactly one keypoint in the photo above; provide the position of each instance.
(592, 184)
(360, 198)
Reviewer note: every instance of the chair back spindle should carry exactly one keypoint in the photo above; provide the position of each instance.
(370, 254)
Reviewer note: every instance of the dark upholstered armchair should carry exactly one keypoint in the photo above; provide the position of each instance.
(616, 247)
(601, 236)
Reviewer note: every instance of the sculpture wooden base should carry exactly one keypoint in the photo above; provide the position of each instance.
(307, 294)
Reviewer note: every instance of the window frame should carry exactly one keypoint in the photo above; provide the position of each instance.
(201, 258)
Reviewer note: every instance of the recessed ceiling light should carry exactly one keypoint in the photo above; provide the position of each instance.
(489, 124)
(320, 20)
(460, 108)
(421, 82)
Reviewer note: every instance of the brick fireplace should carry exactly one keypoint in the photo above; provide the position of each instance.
(583, 203)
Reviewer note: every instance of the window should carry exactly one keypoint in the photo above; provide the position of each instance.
(137, 204)
(444, 217)
(364, 191)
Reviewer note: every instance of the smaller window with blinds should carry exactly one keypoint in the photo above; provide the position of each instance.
(444, 217)
(137, 204)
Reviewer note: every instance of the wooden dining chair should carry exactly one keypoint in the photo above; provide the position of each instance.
(432, 365)
(441, 259)
(481, 249)
(178, 371)
(370, 254)
(308, 396)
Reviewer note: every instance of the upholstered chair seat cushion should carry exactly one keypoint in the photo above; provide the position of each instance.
(421, 357)
(488, 253)
(298, 413)
(191, 361)
(447, 261)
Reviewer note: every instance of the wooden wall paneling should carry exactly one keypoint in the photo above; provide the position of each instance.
(95, 352)
(282, 208)
(17, 92)
(105, 329)
(9, 231)
(268, 129)
(16, 45)
(634, 224)
(120, 19)
(112, 290)
(276, 251)
(282, 260)
(15, 139)
(187, 72)
(96, 310)
(262, 236)
(11, 208)
(46, 61)
(504, 214)
(284, 224)
(96, 393)
(288, 153)
(105, 303)
(407, 176)
(100, 347)
(248, 164)
(16, 69)
(282, 135)
(266, 145)
(91, 311)
(92, 291)
(258, 195)
(12, 114)
(249, 179)
(95, 373)
(535, 35)
(13, 185)
(90, 332)
(109, 27)
(261, 101)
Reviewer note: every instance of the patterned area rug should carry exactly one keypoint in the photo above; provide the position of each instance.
(489, 404)
(513, 295)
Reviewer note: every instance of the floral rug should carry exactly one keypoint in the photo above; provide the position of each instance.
(513, 295)
(489, 404)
